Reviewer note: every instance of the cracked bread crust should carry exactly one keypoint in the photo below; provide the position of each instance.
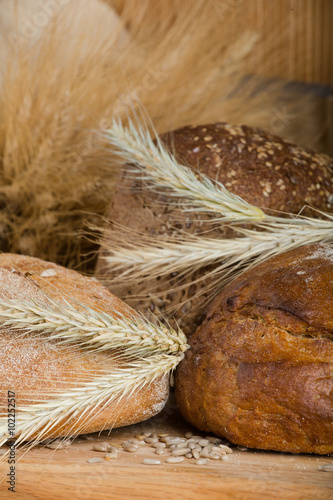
(260, 367)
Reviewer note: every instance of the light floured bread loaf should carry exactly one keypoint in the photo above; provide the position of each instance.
(260, 367)
(41, 369)
(265, 170)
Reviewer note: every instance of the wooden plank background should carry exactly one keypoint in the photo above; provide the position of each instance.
(296, 36)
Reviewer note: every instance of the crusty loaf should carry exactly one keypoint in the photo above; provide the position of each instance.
(36, 369)
(264, 169)
(260, 367)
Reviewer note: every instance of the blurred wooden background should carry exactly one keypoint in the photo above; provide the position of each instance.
(296, 46)
(296, 35)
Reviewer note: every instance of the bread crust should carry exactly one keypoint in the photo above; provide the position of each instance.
(34, 369)
(260, 367)
(264, 169)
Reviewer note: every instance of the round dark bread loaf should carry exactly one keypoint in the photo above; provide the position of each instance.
(264, 169)
(260, 367)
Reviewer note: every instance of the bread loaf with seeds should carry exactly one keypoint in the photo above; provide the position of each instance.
(39, 369)
(265, 170)
(260, 368)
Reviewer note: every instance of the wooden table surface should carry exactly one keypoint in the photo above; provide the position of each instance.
(65, 474)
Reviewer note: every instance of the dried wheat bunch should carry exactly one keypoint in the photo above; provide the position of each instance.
(66, 72)
(135, 257)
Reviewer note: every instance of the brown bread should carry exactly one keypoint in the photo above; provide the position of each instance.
(260, 367)
(35, 369)
(264, 169)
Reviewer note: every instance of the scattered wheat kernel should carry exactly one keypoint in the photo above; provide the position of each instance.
(101, 447)
(196, 454)
(56, 445)
(151, 440)
(150, 461)
(203, 442)
(181, 445)
(226, 448)
(225, 458)
(217, 449)
(158, 445)
(214, 456)
(241, 448)
(202, 461)
(147, 434)
(189, 435)
(130, 447)
(159, 451)
(175, 460)
(189, 455)
(113, 454)
(180, 451)
(95, 460)
(140, 437)
(134, 441)
(326, 467)
(172, 441)
(113, 447)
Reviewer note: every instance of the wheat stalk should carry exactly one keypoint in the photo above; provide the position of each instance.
(144, 257)
(161, 255)
(159, 167)
(92, 329)
(40, 418)
(145, 261)
(148, 351)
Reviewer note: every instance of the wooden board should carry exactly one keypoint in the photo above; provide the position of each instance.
(64, 474)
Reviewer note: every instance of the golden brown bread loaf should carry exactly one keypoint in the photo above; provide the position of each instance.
(35, 369)
(264, 169)
(260, 367)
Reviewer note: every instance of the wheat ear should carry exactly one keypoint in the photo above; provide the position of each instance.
(181, 257)
(159, 256)
(148, 351)
(144, 257)
(160, 168)
(92, 329)
(36, 420)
